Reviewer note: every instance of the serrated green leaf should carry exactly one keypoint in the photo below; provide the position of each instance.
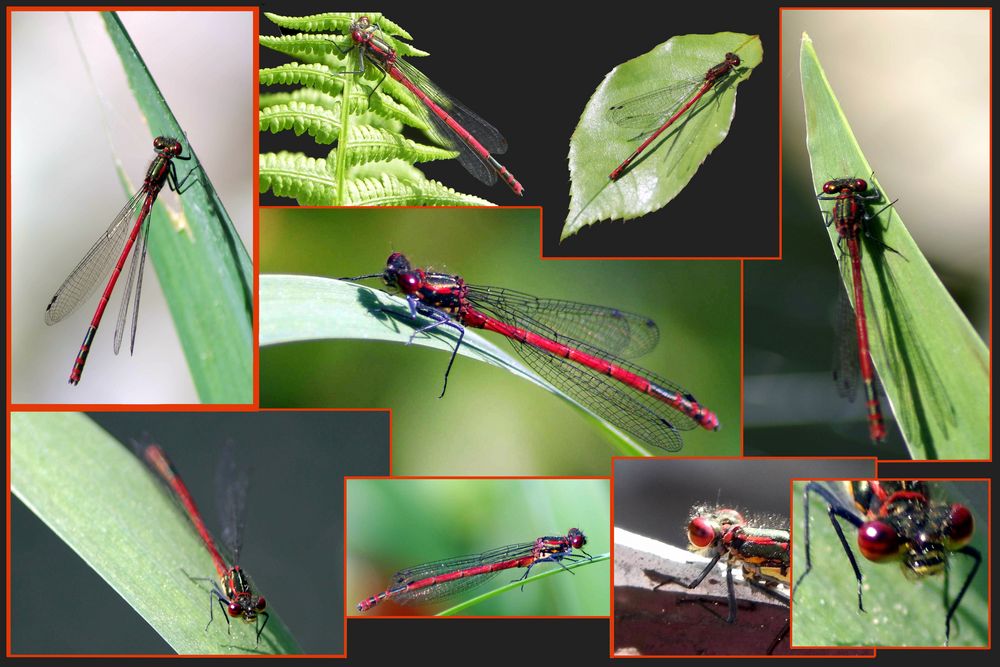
(116, 517)
(204, 270)
(599, 145)
(933, 366)
(303, 308)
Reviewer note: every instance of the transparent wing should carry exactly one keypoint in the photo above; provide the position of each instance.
(232, 481)
(616, 331)
(487, 135)
(641, 415)
(846, 366)
(95, 265)
(650, 110)
(134, 281)
(450, 565)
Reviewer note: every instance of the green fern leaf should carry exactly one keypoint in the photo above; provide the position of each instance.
(319, 122)
(390, 191)
(372, 144)
(297, 176)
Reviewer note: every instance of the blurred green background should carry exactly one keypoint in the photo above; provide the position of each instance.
(915, 88)
(400, 523)
(491, 422)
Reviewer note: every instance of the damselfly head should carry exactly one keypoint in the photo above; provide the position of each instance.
(845, 185)
(167, 145)
(920, 536)
(361, 29)
(733, 59)
(708, 525)
(577, 539)
(399, 273)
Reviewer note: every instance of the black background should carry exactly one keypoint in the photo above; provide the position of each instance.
(530, 75)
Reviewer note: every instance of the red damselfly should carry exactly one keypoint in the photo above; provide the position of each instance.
(575, 346)
(433, 581)
(116, 243)
(455, 124)
(656, 111)
(762, 553)
(849, 217)
(896, 521)
(236, 596)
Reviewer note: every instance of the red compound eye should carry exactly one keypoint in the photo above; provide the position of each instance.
(860, 185)
(235, 609)
(260, 604)
(701, 533)
(878, 541)
(960, 527)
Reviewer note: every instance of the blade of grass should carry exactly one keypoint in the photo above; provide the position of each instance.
(203, 268)
(462, 606)
(120, 521)
(302, 308)
(933, 365)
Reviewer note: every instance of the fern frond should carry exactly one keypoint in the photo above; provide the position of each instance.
(372, 160)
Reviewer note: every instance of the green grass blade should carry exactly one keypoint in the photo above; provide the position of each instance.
(303, 308)
(204, 270)
(462, 606)
(599, 145)
(899, 612)
(933, 365)
(122, 523)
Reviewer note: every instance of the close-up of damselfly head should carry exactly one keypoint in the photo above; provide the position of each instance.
(167, 145)
(708, 525)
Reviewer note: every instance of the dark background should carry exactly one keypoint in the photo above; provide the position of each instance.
(293, 541)
(530, 77)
